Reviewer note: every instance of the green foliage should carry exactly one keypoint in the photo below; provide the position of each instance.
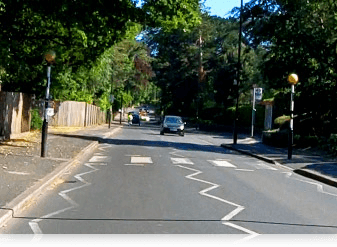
(279, 121)
(177, 67)
(299, 37)
(36, 120)
(173, 14)
(82, 33)
(330, 144)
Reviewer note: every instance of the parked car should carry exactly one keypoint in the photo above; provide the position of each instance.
(172, 124)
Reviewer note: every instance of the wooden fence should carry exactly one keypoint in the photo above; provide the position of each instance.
(14, 114)
(76, 114)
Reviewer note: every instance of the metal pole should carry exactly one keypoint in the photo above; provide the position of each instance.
(253, 113)
(110, 109)
(236, 119)
(45, 120)
(291, 131)
(120, 120)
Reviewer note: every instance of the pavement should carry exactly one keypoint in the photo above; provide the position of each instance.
(24, 174)
(309, 162)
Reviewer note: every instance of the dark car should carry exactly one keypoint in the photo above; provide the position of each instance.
(172, 124)
(135, 119)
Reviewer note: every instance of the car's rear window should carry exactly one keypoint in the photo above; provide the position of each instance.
(173, 120)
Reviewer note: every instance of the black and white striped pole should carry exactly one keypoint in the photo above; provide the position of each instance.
(292, 79)
(50, 58)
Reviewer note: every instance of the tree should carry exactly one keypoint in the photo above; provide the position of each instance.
(299, 36)
(177, 55)
(78, 31)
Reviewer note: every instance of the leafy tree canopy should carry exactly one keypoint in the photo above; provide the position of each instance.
(78, 31)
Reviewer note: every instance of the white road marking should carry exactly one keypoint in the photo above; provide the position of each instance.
(98, 158)
(221, 163)
(98, 154)
(182, 161)
(261, 165)
(244, 170)
(288, 174)
(229, 216)
(17, 173)
(175, 153)
(320, 187)
(253, 234)
(141, 160)
(135, 164)
(104, 146)
(34, 224)
(209, 143)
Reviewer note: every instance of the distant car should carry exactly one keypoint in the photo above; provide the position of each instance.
(172, 124)
(135, 119)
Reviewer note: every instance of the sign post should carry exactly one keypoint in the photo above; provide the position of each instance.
(257, 96)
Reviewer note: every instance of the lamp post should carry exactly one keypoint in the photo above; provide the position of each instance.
(292, 79)
(50, 59)
(111, 100)
(236, 118)
(121, 110)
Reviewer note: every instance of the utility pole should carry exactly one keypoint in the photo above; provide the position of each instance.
(200, 75)
(235, 134)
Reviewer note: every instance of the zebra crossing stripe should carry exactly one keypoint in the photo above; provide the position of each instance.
(181, 161)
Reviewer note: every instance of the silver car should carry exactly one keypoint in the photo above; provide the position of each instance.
(172, 124)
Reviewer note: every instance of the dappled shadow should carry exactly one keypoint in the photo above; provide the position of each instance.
(149, 143)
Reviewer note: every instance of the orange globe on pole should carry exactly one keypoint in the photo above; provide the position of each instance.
(293, 79)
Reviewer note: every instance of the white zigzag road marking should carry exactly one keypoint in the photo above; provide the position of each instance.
(320, 187)
(229, 216)
(175, 153)
(34, 224)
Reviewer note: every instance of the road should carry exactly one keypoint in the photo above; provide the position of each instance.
(139, 182)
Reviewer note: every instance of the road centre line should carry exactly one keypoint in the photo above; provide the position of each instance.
(227, 217)
(141, 160)
(182, 161)
(222, 163)
(244, 170)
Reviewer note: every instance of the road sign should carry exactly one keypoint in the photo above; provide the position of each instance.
(50, 112)
(258, 94)
(112, 98)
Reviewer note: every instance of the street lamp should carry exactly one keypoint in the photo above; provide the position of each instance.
(50, 59)
(292, 79)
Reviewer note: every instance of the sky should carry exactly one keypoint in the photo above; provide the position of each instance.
(223, 7)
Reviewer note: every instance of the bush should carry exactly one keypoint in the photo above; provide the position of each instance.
(276, 137)
(330, 144)
(36, 120)
(281, 121)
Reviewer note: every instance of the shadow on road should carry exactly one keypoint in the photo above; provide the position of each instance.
(148, 143)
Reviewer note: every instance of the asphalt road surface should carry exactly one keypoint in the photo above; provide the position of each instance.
(141, 182)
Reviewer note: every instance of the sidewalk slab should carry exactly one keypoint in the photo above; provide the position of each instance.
(320, 167)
